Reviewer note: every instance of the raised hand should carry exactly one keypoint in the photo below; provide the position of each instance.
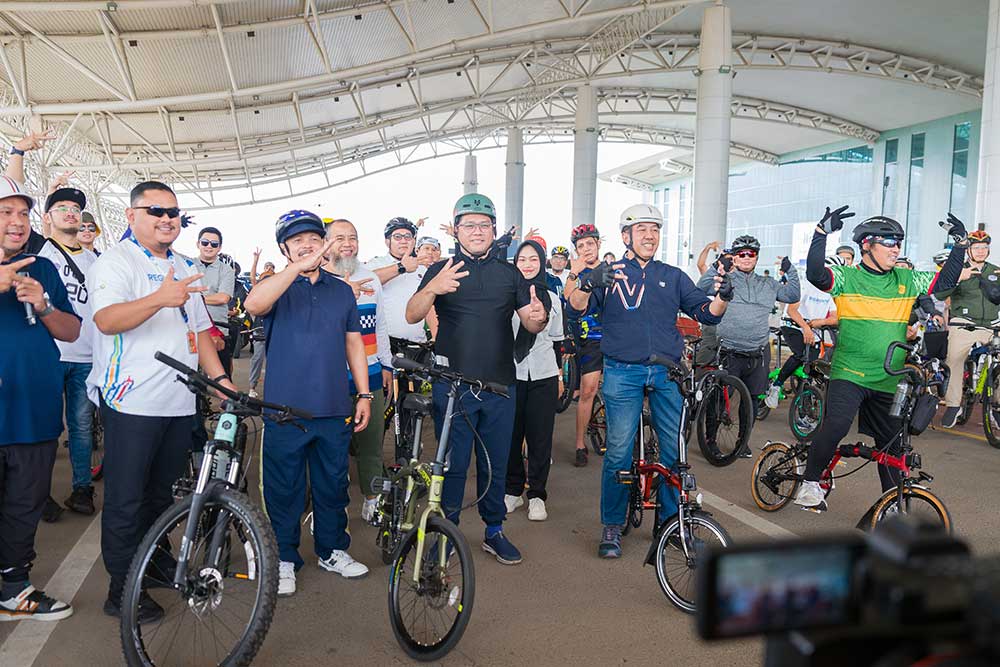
(174, 293)
(724, 287)
(577, 265)
(536, 309)
(8, 272)
(447, 229)
(61, 181)
(531, 232)
(834, 220)
(35, 140)
(420, 221)
(256, 253)
(602, 275)
(410, 263)
(312, 261)
(954, 228)
(361, 287)
(447, 280)
(786, 265)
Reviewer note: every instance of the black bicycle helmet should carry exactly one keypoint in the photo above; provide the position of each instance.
(745, 242)
(400, 223)
(879, 225)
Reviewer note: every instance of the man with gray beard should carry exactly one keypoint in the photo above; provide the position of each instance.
(366, 445)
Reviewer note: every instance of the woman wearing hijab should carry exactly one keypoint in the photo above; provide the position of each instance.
(537, 391)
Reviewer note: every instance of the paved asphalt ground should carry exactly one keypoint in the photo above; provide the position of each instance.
(562, 605)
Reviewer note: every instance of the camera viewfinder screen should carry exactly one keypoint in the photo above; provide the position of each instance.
(783, 589)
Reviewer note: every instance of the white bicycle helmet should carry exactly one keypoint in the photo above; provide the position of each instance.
(634, 215)
(835, 260)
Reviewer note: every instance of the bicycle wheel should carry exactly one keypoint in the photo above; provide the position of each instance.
(805, 414)
(391, 509)
(429, 616)
(725, 418)
(968, 394)
(225, 609)
(917, 501)
(776, 476)
(677, 572)
(597, 428)
(991, 412)
(570, 378)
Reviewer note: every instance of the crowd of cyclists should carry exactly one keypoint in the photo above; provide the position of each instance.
(327, 325)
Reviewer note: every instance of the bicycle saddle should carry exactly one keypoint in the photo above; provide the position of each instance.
(418, 403)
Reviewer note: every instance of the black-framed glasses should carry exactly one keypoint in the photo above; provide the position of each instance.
(402, 237)
(160, 211)
(205, 243)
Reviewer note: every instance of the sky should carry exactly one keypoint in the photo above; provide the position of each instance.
(430, 189)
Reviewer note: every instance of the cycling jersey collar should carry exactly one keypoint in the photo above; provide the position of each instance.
(479, 259)
(874, 271)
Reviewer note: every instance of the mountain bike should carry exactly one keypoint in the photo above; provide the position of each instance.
(724, 415)
(981, 384)
(432, 582)
(400, 420)
(213, 553)
(778, 471)
(679, 542)
(643, 486)
(805, 413)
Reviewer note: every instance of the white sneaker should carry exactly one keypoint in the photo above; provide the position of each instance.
(536, 510)
(810, 495)
(33, 604)
(286, 578)
(341, 563)
(773, 396)
(512, 502)
(252, 393)
(368, 509)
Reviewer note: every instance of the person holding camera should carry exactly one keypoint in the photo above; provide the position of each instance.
(874, 300)
(638, 300)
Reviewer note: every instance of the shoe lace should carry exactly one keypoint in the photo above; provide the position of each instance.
(611, 533)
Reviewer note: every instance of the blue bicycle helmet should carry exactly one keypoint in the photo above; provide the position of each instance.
(297, 222)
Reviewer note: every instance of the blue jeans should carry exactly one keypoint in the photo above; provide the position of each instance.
(493, 418)
(623, 395)
(79, 420)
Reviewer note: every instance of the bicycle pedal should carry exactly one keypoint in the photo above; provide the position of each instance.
(625, 477)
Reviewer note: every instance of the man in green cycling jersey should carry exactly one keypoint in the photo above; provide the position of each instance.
(973, 304)
(873, 300)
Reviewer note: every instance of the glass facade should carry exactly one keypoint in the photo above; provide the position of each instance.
(683, 228)
(889, 177)
(912, 225)
(960, 172)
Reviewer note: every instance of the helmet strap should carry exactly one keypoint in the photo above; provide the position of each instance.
(870, 254)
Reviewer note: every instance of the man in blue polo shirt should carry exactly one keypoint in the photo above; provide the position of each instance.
(639, 299)
(34, 312)
(313, 331)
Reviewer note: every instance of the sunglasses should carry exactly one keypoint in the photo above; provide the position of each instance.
(88, 228)
(745, 254)
(160, 211)
(205, 243)
(888, 243)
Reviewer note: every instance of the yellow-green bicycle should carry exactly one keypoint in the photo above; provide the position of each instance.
(432, 583)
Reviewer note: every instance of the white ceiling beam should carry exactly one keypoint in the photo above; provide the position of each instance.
(236, 128)
(168, 132)
(114, 44)
(97, 5)
(14, 83)
(399, 24)
(57, 150)
(316, 32)
(298, 117)
(225, 49)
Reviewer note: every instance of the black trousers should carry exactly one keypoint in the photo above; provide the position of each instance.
(534, 419)
(25, 478)
(143, 457)
(793, 339)
(844, 400)
(751, 367)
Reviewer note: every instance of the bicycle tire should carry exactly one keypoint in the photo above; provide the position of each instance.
(597, 427)
(884, 506)
(685, 599)
(264, 560)
(392, 513)
(991, 412)
(718, 392)
(780, 456)
(968, 395)
(804, 418)
(570, 377)
(97, 448)
(422, 651)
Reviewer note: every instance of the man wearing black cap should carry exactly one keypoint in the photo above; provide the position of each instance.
(63, 213)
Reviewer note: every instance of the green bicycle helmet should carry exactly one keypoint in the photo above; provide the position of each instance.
(474, 203)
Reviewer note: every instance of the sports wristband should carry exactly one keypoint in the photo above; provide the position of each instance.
(16, 151)
(370, 396)
(400, 268)
(216, 379)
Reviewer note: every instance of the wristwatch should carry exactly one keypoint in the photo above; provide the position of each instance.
(48, 309)
(400, 267)
(572, 276)
(370, 396)
(16, 151)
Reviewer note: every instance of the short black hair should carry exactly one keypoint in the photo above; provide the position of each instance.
(210, 230)
(141, 189)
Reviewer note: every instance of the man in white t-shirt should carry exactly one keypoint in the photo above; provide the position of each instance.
(63, 211)
(400, 273)
(145, 299)
(814, 309)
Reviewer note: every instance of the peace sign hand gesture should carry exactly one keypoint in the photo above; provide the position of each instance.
(447, 280)
(174, 293)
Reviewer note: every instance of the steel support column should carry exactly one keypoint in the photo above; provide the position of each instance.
(471, 182)
(514, 201)
(585, 137)
(712, 130)
(988, 185)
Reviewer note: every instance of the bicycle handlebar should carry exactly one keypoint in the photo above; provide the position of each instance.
(906, 370)
(203, 381)
(443, 373)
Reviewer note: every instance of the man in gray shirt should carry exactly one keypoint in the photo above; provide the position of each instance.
(220, 279)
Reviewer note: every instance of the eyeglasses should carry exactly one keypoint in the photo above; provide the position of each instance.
(402, 237)
(481, 226)
(75, 210)
(746, 254)
(160, 211)
(888, 243)
(88, 228)
(205, 243)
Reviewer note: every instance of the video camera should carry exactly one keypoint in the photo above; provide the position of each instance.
(906, 594)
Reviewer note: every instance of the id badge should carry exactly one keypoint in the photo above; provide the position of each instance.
(192, 342)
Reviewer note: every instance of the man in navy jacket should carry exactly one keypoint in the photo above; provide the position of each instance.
(639, 299)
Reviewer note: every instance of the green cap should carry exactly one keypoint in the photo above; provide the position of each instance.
(474, 203)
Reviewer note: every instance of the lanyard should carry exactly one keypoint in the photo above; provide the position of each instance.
(192, 339)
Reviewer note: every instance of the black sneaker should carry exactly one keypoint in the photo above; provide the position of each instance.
(81, 500)
(950, 417)
(52, 511)
(149, 610)
(33, 604)
(581, 458)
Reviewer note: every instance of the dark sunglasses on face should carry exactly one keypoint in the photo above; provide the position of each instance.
(160, 211)
(88, 228)
(888, 243)
(215, 244)
(746, 254)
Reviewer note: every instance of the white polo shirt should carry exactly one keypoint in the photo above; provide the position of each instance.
(395, 295)
(125, 373)
(79, 351)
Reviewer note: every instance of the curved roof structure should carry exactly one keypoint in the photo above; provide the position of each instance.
(213, 95)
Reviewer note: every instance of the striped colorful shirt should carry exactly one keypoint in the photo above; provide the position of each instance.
(374, 331)
(874, 311)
